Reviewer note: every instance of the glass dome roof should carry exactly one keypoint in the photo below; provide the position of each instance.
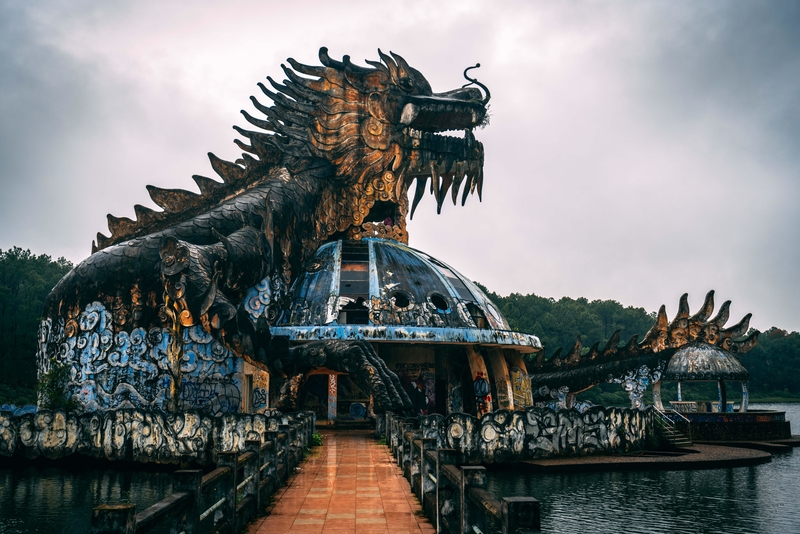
(382, 290)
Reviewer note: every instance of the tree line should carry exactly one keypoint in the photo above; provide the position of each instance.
(26, 279)
(774, 363)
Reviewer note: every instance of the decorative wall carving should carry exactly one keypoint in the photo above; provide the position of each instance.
(512, 436)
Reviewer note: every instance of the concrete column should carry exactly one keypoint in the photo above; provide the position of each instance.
(333, 386)
(521, 390)
(657, 396)
(502, 380)
(480, 381)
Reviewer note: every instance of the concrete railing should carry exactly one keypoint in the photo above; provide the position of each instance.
(223, 500)
(454, 497)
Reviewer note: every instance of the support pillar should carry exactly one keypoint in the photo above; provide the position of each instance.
(745, 398)
(657, 396)
(520, 383)
(680, 397)
(723, 396)
(480, 381)
(333, 386)
(502, 379)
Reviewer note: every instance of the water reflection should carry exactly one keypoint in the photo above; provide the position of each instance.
(51, 500)
(761, 498)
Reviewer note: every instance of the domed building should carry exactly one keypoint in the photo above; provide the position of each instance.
(447, 342)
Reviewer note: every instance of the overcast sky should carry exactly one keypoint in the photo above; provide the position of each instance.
(636, 151)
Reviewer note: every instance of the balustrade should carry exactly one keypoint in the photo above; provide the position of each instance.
(223, 500)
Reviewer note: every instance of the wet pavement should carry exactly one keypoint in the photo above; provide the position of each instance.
(350, 484)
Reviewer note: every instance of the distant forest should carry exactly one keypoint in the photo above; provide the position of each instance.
(26, 279)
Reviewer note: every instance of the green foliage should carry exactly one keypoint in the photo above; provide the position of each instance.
(316, 439)
(382, 441)
(52, 389)
(558, 322)
(774, 363)
(25, 281)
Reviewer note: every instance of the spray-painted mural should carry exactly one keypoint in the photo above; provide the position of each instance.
(510, 436)
(135, 434)
(113, 369)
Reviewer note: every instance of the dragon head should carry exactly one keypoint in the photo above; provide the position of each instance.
(381, 129)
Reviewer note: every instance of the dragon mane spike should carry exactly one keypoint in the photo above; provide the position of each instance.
(229, 172)
(737, 330)
(207, 186)
(656, 336)
(102, 241)
(723, 314)
(144, 216)
(402, 63)
(705, 310)
(390, 64)
(119, 226)
(593, 351)
(683, 307)
(172, 200)
(308, 70)
(326, 60)
(746, 344)
(258, 123)
(612, 343)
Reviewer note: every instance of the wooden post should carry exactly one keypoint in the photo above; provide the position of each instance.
(254, 469)
(230, 460)
(472, 476)
(114, 519)
(190, 481)
(502, 380)
(520, 513)
(444, 491)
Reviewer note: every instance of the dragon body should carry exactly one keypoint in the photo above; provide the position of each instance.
(193, 289)
(171, 305)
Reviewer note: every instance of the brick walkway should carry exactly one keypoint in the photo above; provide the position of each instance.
(350, 484)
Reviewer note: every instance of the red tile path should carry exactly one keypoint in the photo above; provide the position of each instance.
(350, 484)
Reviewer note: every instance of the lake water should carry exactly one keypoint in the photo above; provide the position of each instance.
(763, 498)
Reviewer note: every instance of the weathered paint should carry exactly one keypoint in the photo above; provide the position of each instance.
(520, 383)
(135, 434)
(411, 334)
(512, 436)
(502, 380)
(480, 381)
(111, 370)
(332, 396)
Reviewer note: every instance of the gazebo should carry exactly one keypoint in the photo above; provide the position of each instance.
(702, 362)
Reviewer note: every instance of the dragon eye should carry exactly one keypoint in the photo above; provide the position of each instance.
(406, 84)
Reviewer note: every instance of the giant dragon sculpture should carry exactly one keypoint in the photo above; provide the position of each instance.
(199, 282)
(194, 288)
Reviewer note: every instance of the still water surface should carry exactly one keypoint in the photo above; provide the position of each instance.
(761, 499)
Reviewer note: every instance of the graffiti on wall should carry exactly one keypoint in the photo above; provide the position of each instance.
(512, 436)
(114, 370)
(520, 387)
(419, 381)
(135, 434)
(483, 394)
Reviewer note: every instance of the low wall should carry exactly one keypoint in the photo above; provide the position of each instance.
(138, 435)
(512, 436)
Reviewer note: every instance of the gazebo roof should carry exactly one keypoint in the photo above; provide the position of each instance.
(701, 361)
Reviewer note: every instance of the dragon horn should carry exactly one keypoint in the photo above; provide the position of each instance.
(705, 310)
